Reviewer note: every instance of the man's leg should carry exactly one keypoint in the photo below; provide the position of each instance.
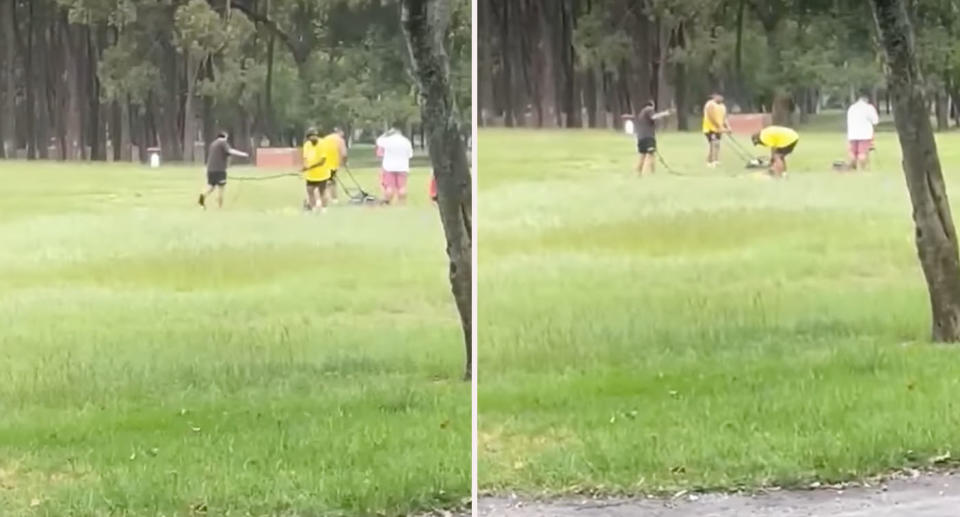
(716, 150)
(323, 195)
(389, 189)
(220, 194)
(311, 197)
(651, 162)
(213, 179)
(647, 163)
(385, 186)
(204, 193)
(400, 181)
(709, 149)
(863, 147)
(779, 166)
(332, 187)
(855, 156)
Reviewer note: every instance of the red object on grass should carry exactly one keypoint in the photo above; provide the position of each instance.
(749, 123)
(433, 188)
(279, 158)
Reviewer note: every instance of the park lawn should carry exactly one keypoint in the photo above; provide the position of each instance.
(701, 332)
(159, 360)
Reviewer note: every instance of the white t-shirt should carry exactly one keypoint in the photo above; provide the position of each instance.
(861, 117)
(397, 151)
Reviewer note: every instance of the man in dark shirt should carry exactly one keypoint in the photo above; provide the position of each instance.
(217, 161)
(647, 136)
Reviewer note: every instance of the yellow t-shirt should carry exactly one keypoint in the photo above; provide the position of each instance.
(778, 137)
(718, 112)
(334, 143)
(312, 154)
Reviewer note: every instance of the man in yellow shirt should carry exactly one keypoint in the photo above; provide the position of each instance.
(337, 147)
(714, 124)
(316, 171)
(781, 141)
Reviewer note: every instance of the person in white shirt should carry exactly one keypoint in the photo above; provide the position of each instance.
(395, 151)
(861, 119)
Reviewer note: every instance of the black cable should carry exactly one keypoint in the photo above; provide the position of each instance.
(667, 166)
(675, 172)
(264, 178)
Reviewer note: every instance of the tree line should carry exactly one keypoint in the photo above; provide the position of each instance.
(108, 79)
(586, 63)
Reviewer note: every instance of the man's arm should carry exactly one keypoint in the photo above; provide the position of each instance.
(874, 116)
(323, 160)
(662, 114)
(234, 152)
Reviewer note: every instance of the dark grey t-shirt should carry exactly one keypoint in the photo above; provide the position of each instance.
(646, 126)
(218, 156)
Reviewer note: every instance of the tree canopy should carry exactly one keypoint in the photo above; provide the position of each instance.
(82, 76)
(587, 62)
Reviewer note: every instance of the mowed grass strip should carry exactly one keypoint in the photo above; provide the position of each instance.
(159, 360)
(701, 332)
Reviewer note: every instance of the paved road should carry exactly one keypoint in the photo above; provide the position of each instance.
(924, 496)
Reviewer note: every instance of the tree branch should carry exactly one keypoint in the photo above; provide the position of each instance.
(299, 52)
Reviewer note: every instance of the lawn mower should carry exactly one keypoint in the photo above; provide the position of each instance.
(360, 196)
(752, 162)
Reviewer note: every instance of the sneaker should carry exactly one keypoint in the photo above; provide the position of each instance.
(202, 201)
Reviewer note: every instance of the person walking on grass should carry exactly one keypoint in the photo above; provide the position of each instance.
(395, 151)
(862, 117)
(647, 136)
(218, 160)
(337, 158)
(714, 125)
(781, 141)
(316, 170)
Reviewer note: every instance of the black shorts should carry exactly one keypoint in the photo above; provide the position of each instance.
(647, 145)
(712, 136)
(216, 178)
(322, 185)
(783, 151)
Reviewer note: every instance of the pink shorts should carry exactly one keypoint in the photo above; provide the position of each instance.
(393, 180)
(860, 147)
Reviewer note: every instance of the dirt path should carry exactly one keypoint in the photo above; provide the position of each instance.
(924, 496)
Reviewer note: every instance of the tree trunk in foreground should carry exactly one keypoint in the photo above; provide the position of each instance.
(425, 26)
(935, 234)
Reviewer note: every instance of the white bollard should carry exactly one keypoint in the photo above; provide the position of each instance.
(628, 127)
(154, 160)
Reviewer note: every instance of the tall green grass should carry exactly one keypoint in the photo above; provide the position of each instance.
(701, 332)
(156, 359)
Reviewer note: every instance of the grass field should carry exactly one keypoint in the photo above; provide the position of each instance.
(159, 360)
(668, 333)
